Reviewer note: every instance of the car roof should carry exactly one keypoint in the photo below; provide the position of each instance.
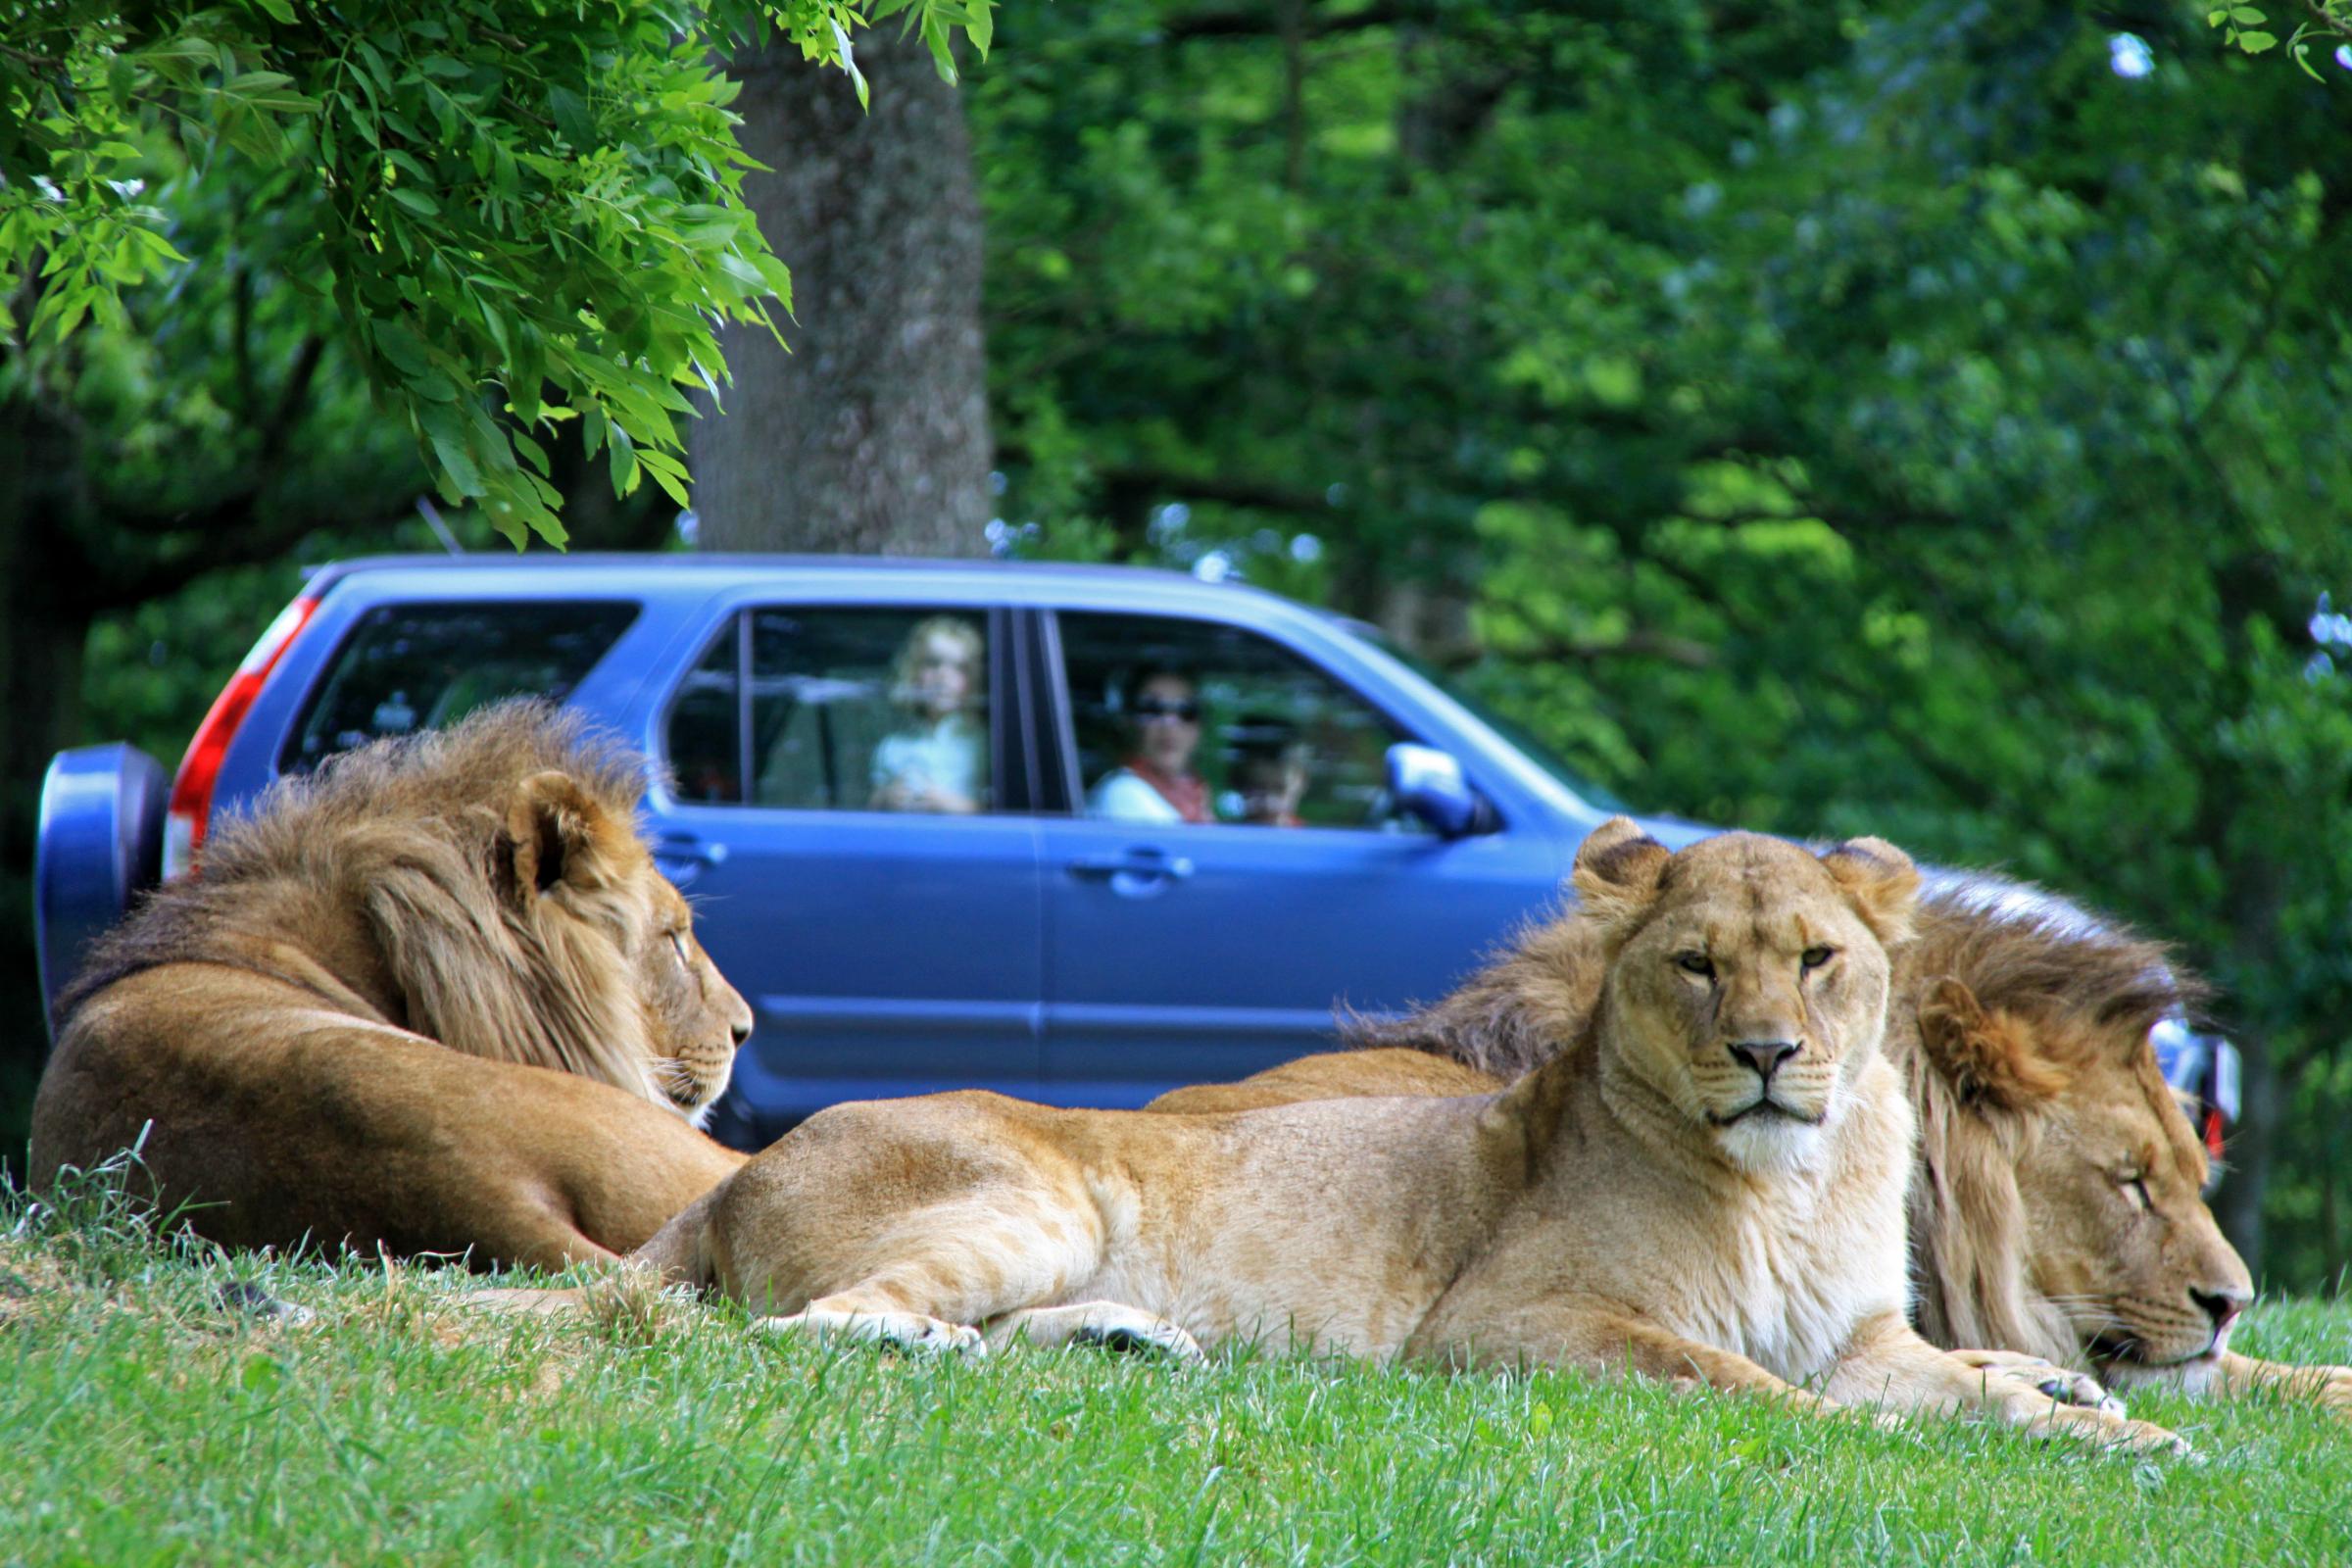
(694, 570)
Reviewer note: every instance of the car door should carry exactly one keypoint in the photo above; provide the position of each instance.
(1194, 950)
(855, 840)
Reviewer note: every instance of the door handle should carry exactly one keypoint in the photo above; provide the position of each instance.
(1133, 873)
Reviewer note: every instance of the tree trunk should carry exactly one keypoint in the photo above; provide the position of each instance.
(40, 696)
(871, 434)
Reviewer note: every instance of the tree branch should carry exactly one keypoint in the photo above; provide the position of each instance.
(222, 544)
(1641, 643)
(1252, 23)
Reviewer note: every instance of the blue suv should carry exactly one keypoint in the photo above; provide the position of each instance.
(1077, 834)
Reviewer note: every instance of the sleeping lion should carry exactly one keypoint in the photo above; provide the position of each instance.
(1707, 1187)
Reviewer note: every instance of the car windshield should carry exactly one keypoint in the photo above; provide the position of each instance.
(1533, 749)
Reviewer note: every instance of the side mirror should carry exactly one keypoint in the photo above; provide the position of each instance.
(1429, 784)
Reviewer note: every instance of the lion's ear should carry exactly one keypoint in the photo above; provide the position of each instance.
(555, 834)
(1617, 869)
(1988, 1058)
(1881, 882)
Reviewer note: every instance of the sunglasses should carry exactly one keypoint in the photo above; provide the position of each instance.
(1151, 707)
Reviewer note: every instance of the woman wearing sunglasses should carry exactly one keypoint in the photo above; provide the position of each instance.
(1157, 783)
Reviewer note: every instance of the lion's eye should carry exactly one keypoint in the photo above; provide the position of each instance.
(677, 945)
(2136, 1185)
(1815, 957)
(1696, 964)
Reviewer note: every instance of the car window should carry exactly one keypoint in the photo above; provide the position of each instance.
(838, 709)
(1194, 721)
(414, 666)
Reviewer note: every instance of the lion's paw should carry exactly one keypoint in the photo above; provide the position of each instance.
(2060, 1383)
(2333, 1388)
(905, 1331)
(2121, 1435)
(1148, 1334)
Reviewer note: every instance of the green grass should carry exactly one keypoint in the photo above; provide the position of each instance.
(141, 1423)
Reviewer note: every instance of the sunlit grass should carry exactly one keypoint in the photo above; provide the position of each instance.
(145, 1422)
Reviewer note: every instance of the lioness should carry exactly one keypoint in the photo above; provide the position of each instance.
(435, 998)
(1707, 1187)
(2056, 1208)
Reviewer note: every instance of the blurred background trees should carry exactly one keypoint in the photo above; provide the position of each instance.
(1918, 418)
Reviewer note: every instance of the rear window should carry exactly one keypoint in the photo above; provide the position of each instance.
(407, 667)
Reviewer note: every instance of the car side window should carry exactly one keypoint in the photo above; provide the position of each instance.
(405, 667)
(833, 709)
(1194, 721)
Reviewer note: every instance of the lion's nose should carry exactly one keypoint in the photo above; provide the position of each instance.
(2222, 1305)
(741, 1029)
(1765, 1055)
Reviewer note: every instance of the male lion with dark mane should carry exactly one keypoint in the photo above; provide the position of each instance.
(1707, 1187)
(2056, 1208)
(434, 997)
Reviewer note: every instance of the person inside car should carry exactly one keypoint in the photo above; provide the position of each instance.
(1157, 783)
(1269, 771)
(940, 763)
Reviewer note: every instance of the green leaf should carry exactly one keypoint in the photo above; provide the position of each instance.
(446, 430)
(667, 471)
(497, 325)
(280, 11)
(156, 244)
(2255, 44)
(778, 279)
(572, 119)
(621, 459)
(401, 345)
(416, 201)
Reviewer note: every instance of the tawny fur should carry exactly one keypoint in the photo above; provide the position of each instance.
(2020, 1026)
(1647, 1200)
(435, 997)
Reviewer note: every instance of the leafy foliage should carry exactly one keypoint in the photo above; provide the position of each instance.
(529, 208)
(2248, 28)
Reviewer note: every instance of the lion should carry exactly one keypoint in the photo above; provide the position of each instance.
(1706, 1188)
(434, 999)
(2056, 1206)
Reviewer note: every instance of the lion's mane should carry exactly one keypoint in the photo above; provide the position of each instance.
(410, 835)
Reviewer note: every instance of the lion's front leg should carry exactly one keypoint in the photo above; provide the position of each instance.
(912, 1222)
(2327, 1386)
(1886, 1364)
(1600, 1338)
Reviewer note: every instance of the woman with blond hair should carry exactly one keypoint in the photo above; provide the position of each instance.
(941, 763)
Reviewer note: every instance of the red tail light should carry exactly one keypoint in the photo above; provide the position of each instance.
(192, 790)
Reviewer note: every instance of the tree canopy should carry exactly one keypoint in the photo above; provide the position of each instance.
(541, 199)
